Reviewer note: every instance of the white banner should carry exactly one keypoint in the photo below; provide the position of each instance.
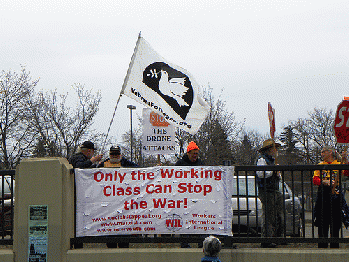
(156, 200)
(158, 135)
(165, 88)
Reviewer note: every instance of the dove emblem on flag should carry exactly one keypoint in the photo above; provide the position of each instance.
(164, 87)
(172, 85)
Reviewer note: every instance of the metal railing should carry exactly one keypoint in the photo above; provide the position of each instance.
(6, 206)
(298, 195)
(298, 202)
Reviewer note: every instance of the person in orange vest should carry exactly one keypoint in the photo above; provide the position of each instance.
(329, 200)
(116, 159)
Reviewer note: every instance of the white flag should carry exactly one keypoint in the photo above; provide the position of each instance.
(165, 88)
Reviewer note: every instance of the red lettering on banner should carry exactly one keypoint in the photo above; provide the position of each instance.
(142, 176)
(99, 176)
(135, 205)
(120, 191)
(173, 223)
(190, 188)
(150, 189)
(162, 203)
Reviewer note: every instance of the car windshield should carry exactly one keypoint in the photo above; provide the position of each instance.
(244, 189)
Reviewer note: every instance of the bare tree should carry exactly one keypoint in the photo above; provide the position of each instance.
(313, 133)
(16, 136)
(62, 127)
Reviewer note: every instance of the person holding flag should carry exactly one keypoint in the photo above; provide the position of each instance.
(269, 193)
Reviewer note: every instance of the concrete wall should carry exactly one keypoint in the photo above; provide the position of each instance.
(47, 181)
(44, 181)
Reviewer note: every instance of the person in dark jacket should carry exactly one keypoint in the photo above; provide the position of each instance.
(330, 200)
(191, 158)
(116, 159)
(269, 193)
(84, 158)
(211, 248)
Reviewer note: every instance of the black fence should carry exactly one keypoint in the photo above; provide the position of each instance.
(298, 201)
(6, 206)
(298, 194)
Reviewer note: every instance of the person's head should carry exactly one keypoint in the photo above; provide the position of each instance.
(115, 154)
(88, 149)
(192, 151)
(328, 154)
(269, 147)
(212, 246)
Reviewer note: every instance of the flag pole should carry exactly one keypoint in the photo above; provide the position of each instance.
(131, 64)
(123, 88)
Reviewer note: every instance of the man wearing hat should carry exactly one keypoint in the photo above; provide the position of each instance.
(191, 158)
(116, 159)
(84, 158)
(268, 188)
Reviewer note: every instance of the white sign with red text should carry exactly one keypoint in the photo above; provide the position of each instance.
(158, 135)
(155, 200)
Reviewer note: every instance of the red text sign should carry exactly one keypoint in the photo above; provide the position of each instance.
(341, 122)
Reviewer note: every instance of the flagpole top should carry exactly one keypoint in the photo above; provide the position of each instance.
(139, 35)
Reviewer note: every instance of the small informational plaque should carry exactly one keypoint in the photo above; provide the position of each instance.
(38, 233)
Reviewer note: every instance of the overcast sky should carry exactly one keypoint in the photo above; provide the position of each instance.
(293, 54)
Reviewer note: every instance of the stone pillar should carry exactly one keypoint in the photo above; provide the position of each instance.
(44, 182)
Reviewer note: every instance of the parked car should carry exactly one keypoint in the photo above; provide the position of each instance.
(6, 205)
(247, 208)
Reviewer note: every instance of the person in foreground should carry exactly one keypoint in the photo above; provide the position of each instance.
(211, 248)
(269, 193)
(329, 200)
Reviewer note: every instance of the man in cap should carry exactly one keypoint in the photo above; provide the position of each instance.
(271, 197)
(84, 158)
(116, 160)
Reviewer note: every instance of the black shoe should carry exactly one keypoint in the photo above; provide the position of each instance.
(78, 245)
(268, 245)
(124, 245)
(185, 245)
(112, 245)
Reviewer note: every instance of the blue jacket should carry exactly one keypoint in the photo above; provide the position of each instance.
(210, 259)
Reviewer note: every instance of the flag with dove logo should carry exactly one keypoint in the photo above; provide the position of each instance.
(165, 88)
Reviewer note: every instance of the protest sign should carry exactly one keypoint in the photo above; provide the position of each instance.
(155, 200)
(158, 135)
(341, 123)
